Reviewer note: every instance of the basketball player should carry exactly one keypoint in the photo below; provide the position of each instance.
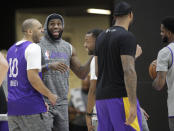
(116, 101)
(25, 87)
(165, 67)
(55, 49)
(91, 118)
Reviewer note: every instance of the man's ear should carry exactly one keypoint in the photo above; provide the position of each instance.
(29, 32)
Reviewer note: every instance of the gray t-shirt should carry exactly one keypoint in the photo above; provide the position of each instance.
(57, 82)
(165, 63)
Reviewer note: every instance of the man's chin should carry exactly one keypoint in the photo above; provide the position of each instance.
(90, 53)
(55, 36)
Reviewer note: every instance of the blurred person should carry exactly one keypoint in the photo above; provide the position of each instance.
(3, 100)
(4, 83)
(3, 68)
(77, 106)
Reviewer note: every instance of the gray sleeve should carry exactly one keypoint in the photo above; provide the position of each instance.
(163, 59)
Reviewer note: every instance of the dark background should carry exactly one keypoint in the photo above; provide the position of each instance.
(148, 14)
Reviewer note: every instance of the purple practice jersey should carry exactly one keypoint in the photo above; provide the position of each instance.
(23, 99)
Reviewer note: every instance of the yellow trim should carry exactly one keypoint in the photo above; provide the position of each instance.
(135, 124)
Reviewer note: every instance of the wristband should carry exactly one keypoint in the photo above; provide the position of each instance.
(47, 67)
(90, 114)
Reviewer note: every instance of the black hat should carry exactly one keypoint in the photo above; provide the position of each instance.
(122, 8)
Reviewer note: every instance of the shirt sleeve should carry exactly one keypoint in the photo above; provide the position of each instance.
(92, 70)
(33, 56)
(127, 44)
(163, 59)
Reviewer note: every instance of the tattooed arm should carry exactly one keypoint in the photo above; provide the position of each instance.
(160, 80)
(130, 79)
(80, 70)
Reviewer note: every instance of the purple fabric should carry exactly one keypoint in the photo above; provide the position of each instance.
(111, 115)
(4, 126)
(23, 99)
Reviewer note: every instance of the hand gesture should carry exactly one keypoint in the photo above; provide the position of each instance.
(58, 66)
(138, 51)
(52, 98)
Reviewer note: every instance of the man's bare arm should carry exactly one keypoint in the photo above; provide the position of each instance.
(160, 80)
(91, 103)
(3, 68)
(80, 70)
(91, 96)
(130, 79)
(37, 84)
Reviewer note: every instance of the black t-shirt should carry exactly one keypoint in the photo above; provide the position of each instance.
(110, 45)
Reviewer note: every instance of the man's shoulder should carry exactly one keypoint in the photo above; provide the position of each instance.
(164, 50)
(66, 42)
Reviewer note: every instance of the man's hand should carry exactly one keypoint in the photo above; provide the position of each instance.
(47, 106)
(138, 51)
(145, 114)
(89, 123)
(132, 114)
(58, 66)
(52, 98)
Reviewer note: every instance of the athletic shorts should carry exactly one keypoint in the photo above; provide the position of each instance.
(27, 123)
(112, 115)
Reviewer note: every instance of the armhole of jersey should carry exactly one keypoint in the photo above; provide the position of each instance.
(171, 55)
(70, 48)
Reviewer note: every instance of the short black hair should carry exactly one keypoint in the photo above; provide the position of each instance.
(95, 32)
(122, 8)
(168, 23)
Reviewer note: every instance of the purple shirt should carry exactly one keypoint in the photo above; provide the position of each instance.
(23, 99)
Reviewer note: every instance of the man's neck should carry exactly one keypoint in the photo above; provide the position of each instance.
(122, 23)
(172, 39)
(27, 38)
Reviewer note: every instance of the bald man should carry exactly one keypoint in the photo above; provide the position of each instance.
(25, 87)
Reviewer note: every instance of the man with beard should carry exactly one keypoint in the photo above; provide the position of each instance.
(165, 67)
(25, 87)
(63, 54)
(116, 101)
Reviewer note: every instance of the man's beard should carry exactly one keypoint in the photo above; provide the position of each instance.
(53, 38)
(165, 39)
(90, 52)
(131, 24)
